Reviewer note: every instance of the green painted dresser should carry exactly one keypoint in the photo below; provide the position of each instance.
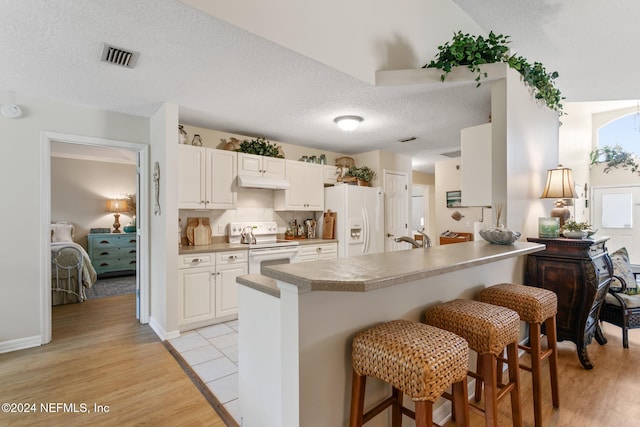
(111, 252)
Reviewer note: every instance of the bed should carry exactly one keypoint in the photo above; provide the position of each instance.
(71, 269)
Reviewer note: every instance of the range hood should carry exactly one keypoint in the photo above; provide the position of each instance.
(250, 181)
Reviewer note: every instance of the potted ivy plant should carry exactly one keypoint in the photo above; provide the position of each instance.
(261, 147)
(615, 157)
(364, 175)
(473, 52)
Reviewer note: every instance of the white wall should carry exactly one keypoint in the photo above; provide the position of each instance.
(357, 42)
(20, 175)
(163, 240)
(80, 188)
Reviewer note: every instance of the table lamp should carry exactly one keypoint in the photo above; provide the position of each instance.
(116, 206)
(559, 186)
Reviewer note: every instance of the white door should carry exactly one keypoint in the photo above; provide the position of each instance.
(616, 213)
(396, 202)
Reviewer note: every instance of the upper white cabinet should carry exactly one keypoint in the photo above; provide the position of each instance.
(206, 178)
(306, 188)
(254, 165)
(475, 174)
(331, 174)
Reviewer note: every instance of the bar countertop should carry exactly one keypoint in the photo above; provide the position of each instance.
(370, 272)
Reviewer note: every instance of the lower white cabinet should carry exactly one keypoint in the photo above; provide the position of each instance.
(207, 287)
(317, 252)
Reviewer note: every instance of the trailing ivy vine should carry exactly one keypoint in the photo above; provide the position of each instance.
(473, 52)
(615, 157)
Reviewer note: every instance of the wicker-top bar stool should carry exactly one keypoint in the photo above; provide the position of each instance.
(488, 329)
(534, 306)
(418, 360)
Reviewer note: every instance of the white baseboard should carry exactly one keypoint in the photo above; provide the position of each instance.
(20, 344)
(160, 332)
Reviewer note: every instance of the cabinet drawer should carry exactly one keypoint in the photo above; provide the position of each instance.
(231, 257)
(112, 253)
(318, 249)
(114, 241)
(196, 260)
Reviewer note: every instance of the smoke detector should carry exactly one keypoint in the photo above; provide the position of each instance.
(11, 111)
(118, 56)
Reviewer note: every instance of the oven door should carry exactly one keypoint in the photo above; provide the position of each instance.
(264, 257)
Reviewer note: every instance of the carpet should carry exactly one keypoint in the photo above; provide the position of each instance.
(112, 286)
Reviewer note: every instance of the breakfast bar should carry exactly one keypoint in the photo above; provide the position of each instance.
(298, 321)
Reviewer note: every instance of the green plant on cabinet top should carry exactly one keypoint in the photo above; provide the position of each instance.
(261, 147)
(363, 173)
(472, 52)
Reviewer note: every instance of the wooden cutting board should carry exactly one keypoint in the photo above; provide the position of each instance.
(328, 224)
(198, 231)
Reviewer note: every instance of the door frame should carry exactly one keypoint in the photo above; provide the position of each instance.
(46, 138)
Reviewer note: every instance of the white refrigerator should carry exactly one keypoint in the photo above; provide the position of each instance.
(359, 224)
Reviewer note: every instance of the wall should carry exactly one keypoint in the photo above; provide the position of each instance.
(212, 139)
(20, 181)
(361, 38)
(79, 189)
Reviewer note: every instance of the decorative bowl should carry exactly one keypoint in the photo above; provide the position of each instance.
(500, 236)
(574, 234)
(129, 229)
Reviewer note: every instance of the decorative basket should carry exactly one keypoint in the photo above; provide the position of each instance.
(345, 162)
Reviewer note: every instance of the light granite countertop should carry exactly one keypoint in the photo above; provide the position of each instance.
(370, 272)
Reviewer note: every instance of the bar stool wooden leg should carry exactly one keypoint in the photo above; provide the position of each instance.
(514, 380)
(460, 410)
(552, 344)
(424, 414)
(536, 367)
(357, 399)
(478, 389)
(490, 389)
(396, 408)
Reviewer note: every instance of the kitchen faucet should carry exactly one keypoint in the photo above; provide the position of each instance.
(413, 242)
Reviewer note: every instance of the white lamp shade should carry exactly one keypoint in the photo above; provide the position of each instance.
(560, 184)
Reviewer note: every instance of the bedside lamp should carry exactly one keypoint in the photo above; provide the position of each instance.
(116, 206)
(559, 186)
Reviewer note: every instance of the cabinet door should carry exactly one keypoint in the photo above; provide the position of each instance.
(191, 177)
(273, 167)
(227, 288)
(249, 164)
(314, 188)
(295, 195)
(197, 294)
(221, 175)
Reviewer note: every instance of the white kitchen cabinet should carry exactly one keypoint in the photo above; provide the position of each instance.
(207, 287)
(206, 178)
(331, 174)
(306, 188)
(475, 165)
(316, 252)
(254, 165)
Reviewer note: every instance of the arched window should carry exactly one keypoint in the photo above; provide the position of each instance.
(623, 131)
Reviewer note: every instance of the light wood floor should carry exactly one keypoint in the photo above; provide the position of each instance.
(607, 395)
(101, 355)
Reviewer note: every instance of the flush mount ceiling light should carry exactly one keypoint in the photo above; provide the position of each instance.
(348, 123)
(11, 111)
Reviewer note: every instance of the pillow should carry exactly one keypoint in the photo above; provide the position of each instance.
(622, 268)
(62, 232)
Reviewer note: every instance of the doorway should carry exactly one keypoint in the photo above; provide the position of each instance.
(142, 275)
(396, 209)
(616, 213)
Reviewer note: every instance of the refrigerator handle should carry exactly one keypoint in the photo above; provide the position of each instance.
(365, 245)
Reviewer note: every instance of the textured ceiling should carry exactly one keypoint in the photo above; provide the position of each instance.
(228, 79)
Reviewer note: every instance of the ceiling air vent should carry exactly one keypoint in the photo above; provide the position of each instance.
(452, 154)
(117, 56)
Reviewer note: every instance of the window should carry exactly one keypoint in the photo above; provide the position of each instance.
(624, 131)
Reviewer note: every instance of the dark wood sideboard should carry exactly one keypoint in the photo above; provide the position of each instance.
(579, 272)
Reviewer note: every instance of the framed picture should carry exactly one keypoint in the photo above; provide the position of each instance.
(454, 199)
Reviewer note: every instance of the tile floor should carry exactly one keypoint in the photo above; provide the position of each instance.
(212, 353)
